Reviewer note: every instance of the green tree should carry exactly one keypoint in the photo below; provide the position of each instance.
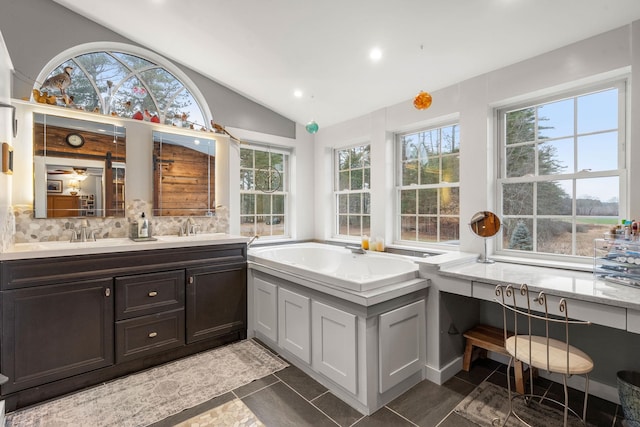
(521, 238)
(521, 152)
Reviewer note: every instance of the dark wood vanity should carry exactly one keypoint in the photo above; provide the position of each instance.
(69, 322)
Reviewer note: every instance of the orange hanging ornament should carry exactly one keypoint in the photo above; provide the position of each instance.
(422, 101)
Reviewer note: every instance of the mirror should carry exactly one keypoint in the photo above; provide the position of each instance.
(183, 175)
(79, 168)
(485, 224)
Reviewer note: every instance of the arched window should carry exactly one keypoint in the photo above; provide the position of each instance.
(125, 84)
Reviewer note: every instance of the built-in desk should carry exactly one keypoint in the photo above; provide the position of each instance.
(462, 285)
(591, 299)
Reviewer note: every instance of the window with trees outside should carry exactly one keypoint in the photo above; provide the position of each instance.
(352, 191)
(264, 175)
(429, 185)
(126, 85)
(562, 171)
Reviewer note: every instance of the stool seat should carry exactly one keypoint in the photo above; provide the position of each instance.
(579, 362)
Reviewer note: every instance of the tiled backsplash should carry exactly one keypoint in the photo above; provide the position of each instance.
(6, 229)
(30, 229)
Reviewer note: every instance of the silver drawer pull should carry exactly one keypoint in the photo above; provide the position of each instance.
(153, 293)
(153, 334)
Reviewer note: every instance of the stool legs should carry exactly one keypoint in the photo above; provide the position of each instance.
(468, 351)
(517, 368)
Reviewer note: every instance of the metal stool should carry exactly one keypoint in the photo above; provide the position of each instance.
(541, 351)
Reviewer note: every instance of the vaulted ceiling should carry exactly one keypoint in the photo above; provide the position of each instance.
(267, 49)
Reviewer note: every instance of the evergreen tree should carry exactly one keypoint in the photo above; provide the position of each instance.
(521, 238)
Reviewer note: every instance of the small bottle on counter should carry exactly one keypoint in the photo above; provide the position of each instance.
(380, 244)
(133, 230)
(365, 242)
(143, 227)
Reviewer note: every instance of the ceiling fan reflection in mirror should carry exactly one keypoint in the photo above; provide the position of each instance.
(75, 172)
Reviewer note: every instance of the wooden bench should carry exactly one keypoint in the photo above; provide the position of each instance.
(489, 338)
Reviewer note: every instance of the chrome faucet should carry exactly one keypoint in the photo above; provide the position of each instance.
(189, 228)
(84, 235)
(252, 239)
(357, 250)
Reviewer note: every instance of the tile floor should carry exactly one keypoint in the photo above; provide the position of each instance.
(291, 398)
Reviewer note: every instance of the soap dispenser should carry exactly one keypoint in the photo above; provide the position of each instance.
(143, 227)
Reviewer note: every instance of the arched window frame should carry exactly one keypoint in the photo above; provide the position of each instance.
(159, 61)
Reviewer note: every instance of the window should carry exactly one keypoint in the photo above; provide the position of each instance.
(352, 191)
(264, 175)
(429, 185)
(123, 84)
(562, 171)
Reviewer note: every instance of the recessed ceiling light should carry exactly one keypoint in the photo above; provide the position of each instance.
(375, 54)
(297, 93)
(196, 141)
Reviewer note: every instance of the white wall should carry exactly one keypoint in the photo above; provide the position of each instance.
(6, 134)
(605, 56)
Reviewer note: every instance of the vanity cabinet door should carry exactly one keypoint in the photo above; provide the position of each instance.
(216, 301)
(56, 331)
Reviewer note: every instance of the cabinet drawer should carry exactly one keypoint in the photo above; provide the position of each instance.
(600, 314)
(633, 321)
(150, 293)
(150, 334)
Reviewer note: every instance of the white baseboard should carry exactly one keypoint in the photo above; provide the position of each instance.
(601, 390)
(440, 376)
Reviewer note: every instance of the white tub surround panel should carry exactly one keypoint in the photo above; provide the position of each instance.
(367, 347)
(294, 321)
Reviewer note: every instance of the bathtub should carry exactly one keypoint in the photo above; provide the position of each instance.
(337, 266)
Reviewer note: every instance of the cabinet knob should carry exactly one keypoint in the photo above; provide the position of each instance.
(153, 293)
(153, 334)
(190, 279)
(107, 292)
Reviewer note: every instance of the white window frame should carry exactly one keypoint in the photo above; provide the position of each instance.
(286, 192)
(621, 173)
(128, 49)
(338, 192)
(400, 187)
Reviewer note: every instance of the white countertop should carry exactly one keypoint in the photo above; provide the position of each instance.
(578, 285)
(64, 248)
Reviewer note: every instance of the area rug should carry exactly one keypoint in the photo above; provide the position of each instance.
(488, 404)
(234, 413)
(157, 393)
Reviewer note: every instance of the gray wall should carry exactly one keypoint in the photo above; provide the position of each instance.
(37, 30)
